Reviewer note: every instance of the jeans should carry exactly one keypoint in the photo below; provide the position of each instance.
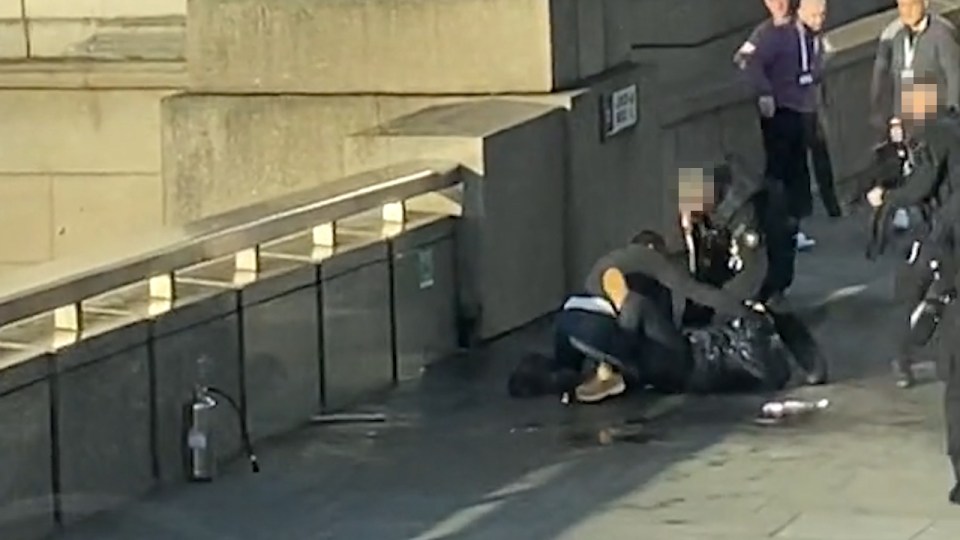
(601, 333)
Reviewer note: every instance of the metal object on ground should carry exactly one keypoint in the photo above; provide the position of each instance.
(199, 449)
(777, 411)
(348, 418)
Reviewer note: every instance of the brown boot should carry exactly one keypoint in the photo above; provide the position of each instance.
(604, 384)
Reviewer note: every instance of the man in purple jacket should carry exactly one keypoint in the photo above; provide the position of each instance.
(784, 69)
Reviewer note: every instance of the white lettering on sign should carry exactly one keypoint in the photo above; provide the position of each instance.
(621, 111)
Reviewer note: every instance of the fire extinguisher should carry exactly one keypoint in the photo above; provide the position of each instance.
(198, 443)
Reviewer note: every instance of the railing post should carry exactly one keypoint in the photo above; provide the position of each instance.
(246, 265)
(67, 324)
(162, 294)
(394, 216)
(324, 240)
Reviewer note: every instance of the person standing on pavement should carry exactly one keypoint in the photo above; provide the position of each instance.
(934, 178)
(784, 70)
(943, 257)
(781, 14)
(916, 42)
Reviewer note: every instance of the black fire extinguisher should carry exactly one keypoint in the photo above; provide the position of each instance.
(199, 450)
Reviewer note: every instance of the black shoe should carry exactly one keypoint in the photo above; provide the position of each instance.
(954, 496)
(903, 375)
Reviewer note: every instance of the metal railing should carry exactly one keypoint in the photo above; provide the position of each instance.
(61, 287)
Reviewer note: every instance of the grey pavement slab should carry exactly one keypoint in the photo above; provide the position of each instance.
(459, 460)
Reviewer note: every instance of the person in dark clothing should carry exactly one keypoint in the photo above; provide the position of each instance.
(937, 292)
(743, 243)
(784, 69)
(934, 177)
(935, 170)
(781, 14)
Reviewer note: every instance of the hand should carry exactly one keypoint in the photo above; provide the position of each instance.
(895, 132)
(767, 106)
(757, 306)
(875, 197)
(740, 59)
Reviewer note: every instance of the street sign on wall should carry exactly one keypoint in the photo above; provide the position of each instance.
(620, 111)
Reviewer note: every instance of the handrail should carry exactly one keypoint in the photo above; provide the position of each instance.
(68, 282)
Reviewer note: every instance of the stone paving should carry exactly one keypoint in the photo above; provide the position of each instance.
(458, 460)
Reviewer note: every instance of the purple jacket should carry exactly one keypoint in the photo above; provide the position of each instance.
(774, 68)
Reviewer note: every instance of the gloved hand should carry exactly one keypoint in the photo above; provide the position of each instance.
(767, 106)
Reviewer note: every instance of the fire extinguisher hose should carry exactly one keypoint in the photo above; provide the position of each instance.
(244, 431)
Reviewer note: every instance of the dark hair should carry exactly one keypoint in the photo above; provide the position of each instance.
(650, 239)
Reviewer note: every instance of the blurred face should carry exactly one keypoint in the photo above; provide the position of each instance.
(813, 13)
(695, 191)
(912, 12)
(779, 9)
(919, 101)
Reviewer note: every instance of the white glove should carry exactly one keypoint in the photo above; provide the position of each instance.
(767, 106)
(875, 197)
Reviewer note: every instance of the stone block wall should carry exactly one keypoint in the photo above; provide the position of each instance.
(92, 29)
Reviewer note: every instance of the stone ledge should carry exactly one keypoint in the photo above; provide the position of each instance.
(72, 74)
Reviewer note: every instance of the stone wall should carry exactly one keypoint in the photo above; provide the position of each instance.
(92, 29)
(83, 161)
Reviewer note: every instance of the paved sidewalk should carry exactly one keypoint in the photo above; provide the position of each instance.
(459, 460)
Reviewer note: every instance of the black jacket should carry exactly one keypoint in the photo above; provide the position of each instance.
(936, 165)
(741, 219)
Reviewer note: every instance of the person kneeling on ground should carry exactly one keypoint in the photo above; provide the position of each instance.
(621, 331)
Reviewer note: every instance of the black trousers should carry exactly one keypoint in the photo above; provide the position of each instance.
(948, 367)
(785, 144)
(816, 143)
(778, 228)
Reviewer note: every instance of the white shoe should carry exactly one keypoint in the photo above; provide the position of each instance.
(804, 242)
(901, 220)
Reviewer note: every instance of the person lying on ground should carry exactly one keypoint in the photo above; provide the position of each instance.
(621, 332)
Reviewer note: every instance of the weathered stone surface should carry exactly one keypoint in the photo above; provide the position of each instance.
(397, 46)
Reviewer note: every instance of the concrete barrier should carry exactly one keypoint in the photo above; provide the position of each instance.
(102, 411)
(424, 284)
(281, 332)
(516, 191)
(95, 419)
(26, 445)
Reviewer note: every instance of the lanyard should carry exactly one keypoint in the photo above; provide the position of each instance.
(909, 50)
(804, 52)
